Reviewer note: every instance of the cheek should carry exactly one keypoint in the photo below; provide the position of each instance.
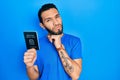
(49, 26)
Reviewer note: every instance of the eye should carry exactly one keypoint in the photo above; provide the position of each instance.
(57, 16)
(47, 20)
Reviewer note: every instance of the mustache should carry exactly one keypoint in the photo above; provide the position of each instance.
(57, 26)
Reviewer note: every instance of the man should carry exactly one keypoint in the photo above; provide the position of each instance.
(59, 57)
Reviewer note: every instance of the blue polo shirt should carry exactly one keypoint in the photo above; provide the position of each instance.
(48, 60)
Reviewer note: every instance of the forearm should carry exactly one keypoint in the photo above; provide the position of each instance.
(32, 73)
(70, 66)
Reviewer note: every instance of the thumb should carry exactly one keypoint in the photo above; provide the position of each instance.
(34, 59)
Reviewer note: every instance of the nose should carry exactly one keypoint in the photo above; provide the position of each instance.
(55, 22)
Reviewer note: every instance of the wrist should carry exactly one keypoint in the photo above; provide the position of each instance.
(60, 48)
(29, 67)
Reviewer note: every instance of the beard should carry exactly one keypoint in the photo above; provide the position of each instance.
(55, 33)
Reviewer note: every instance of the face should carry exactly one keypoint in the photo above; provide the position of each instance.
(52, 21)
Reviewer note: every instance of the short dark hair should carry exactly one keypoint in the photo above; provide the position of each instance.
(44, 8)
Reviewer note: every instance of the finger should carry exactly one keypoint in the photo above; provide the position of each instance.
(28, 61)
(28, 57)
(29, 53)
(29, 64)
(31, 50)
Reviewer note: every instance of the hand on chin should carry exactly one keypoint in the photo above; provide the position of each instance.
(56, 39)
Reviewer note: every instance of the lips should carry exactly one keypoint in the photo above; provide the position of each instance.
(58, 27)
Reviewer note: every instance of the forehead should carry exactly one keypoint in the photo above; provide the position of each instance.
(49, 13)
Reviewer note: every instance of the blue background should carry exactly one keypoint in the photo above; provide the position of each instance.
(96, 22)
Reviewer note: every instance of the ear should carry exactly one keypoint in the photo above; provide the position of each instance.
(42, 25)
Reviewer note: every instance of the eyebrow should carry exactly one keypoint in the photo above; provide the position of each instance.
(50, 17)
(57, 14)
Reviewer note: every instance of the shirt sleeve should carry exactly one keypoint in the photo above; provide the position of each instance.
(76, 51)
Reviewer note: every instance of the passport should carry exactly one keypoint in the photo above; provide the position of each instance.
(31, 40)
